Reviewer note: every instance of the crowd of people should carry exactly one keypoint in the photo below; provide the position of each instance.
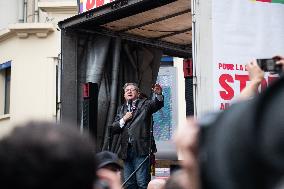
(242, 147)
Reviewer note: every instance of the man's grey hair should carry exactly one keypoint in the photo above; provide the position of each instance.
(134, 84)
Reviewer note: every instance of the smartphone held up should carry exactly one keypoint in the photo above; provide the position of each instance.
(270, 65)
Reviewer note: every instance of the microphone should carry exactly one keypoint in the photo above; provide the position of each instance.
(129, 106)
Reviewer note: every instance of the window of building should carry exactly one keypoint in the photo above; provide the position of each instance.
(5, 83)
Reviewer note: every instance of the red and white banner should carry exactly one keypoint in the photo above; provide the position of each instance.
(243, 30)
(86, 5)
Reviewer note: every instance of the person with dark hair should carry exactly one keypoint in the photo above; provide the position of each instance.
(110, 161)
(47, 156)
(133, 121)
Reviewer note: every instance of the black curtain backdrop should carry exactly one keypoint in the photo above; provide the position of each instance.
(111, 63)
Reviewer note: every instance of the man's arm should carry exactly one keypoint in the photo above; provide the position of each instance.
(158, 102)
(120, 120)
(256, 75)
(116, 125)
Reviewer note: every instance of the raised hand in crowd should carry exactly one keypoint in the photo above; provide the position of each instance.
(280, 60)
(256, 75)
(186, 140)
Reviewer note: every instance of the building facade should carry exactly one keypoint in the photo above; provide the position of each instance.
(29, 59)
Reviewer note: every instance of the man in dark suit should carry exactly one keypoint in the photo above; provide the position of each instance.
(133, 121)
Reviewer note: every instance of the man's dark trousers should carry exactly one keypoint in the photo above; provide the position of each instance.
(142, 176)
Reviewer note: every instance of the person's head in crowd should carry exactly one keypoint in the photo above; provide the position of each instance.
(109, 170)
(108, 160)
(178, 180)
(156, 184)
(46, 155)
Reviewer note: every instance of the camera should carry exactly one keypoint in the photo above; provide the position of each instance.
(269, 65)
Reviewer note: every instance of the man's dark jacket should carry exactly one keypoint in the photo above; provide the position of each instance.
(137, 130)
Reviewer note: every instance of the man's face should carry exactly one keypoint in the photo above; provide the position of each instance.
(130, 93)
